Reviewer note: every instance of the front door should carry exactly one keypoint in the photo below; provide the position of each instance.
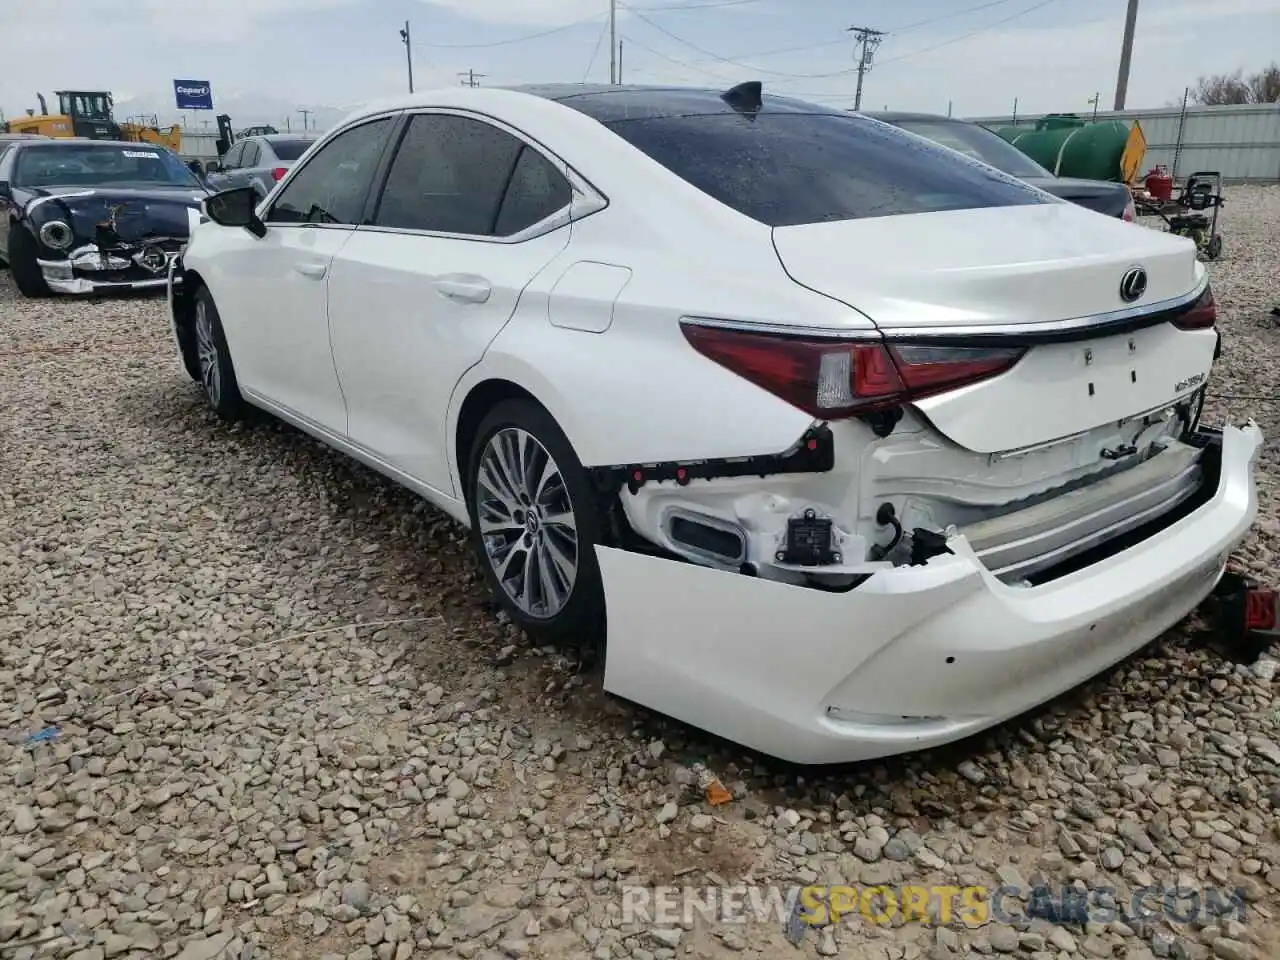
(274, 301)
(466, 220)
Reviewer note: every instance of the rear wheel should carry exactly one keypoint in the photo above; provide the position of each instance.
(27, 276)
(535, 524)
(217, 375)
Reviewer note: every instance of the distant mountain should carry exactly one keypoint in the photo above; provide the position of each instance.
(245, 110)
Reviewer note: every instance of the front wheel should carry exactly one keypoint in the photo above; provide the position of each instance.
(27, 275)
(213, 358)
(535, 523)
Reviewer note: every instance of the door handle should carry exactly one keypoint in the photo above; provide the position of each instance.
(313, 270)
(464, 288)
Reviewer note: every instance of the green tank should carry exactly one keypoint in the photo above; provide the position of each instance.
(1069, 146)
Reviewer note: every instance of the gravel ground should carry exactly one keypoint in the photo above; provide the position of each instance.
(255, 703)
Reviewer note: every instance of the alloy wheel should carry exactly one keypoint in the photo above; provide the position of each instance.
(207, 354)
(526, 522)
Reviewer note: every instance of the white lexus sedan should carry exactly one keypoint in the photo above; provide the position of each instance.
(839, 443)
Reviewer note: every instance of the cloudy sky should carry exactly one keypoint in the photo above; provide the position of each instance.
(267, 58)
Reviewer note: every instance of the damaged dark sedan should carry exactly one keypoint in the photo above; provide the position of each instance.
(82, 216)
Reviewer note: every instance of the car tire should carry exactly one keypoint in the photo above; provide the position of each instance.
(511, 502)
(213, 360)
(27, 276)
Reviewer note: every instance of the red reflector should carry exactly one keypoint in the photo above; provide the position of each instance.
(1202, 315)
(278, 172)
(833, 378)
(1260, 609)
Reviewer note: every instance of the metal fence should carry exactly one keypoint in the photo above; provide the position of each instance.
(1243, 142)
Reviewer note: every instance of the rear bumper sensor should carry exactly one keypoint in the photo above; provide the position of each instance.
(813, 453)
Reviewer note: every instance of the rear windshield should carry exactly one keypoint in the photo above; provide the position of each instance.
(788, 168)
(290, 150)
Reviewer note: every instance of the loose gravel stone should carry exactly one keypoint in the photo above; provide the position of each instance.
(256, 704)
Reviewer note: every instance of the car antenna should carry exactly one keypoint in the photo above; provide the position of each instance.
(746, 97)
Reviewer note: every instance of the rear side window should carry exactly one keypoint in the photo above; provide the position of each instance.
(460, 175)
(536, 191)
(250, 158)
(788, 168)
(448, 176)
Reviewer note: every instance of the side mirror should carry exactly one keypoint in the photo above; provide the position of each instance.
(213, 166)
(236, 208)
(196, 167)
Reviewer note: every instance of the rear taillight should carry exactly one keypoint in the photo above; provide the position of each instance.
(1130, 211)
(834, 378)
(278, 172)
(1202, 315)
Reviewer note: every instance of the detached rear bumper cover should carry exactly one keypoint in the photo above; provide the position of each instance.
(915, 656)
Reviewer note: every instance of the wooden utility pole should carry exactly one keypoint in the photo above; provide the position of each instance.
(867, 39)
(408, 51)
(1126, 54)
(613, 41)
(470, 78)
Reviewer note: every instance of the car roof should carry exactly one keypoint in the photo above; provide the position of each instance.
(81, 141)
(893, 116)
(602, 102)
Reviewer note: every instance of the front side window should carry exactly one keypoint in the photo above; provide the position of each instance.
(250, 158)
(333, 185)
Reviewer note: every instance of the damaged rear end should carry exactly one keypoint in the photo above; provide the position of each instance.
(1011, 398)
(1006, 488)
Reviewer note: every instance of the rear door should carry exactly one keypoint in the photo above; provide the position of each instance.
(223, 178)
(469, 214)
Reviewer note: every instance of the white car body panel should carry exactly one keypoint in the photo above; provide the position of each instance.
(408, 316)
(272, 295)
(373, 340)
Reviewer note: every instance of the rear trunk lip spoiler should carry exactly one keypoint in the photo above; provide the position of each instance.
(1055, 331)
(1006, 334)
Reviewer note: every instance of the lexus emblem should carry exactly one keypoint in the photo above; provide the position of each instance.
(1133, 284)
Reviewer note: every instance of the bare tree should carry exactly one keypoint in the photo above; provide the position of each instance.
(1226, 88)
(1265, 85)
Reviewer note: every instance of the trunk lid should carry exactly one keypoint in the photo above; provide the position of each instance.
(1035, 263)
(1018, 265)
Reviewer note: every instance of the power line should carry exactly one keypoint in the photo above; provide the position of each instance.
(744, 66)
(469, 77)
(966, 36)
(868, 40)
(817, 45)
(595, 51)
(950, 16)
(509, 40)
